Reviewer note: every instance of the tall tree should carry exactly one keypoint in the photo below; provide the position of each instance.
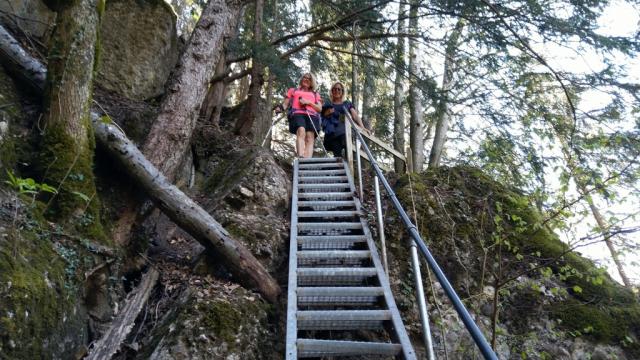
(245, 122)
(443, 113)
(170, 134)
(67, 146)
(416, 123)
(398, 92)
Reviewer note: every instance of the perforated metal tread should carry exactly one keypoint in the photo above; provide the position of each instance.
(336, 281)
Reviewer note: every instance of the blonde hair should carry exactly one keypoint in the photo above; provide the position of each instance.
(313, 84)
(341, 86)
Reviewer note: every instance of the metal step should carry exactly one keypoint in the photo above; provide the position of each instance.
(335, 276)
(330, 242)
(324, 187)
(329, 214)
(305, 173)
(319, 160)
(318, 348)
(316, 166)
(323, 179)
(329, 203)
(334, 195)
(342, 319)
(329, 226)
(339, 296)
(333, 258)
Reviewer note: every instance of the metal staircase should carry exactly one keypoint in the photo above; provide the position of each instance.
(339, 296)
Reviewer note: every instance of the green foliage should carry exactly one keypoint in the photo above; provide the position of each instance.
(28, 185)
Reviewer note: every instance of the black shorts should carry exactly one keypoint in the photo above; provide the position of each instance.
(302, 120)
(336, 144)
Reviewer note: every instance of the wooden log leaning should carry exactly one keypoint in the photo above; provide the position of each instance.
(121, 326)
(248, 271)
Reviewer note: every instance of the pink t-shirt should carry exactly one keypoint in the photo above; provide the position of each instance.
(310, 96)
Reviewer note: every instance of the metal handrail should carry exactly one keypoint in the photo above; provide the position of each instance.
(471, 326)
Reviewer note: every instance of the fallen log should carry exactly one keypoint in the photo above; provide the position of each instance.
(174, 203)
(112, 339)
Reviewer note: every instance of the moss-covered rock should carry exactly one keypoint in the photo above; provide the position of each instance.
(218, 325)
(41, 315)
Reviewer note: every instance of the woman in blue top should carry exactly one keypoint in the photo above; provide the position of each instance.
(333, 120)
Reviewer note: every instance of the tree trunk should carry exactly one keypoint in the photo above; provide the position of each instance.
(186, 213)
(175, 204)
(27, 70)
(442, 110)
(269, 91)
(214, 100)
(170, 134)
(368, 89)
(416, 124)
(398, 123)
(66, 150)
(354, 69)
(581, 184)
(244, 124)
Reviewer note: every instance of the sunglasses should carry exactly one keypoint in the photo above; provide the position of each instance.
(337, 89)
(306, 78)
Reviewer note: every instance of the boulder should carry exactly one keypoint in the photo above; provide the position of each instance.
(139, 47)
(31, 16)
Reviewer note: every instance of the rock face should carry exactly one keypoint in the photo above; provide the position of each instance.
(250, 199)
(139, 47)
(41, 314)
(32, 16)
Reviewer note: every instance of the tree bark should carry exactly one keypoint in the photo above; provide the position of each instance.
(442, 111)
(120, 327)
(175, 204)
(398, 123)
(416, 123)
(170, 134)
(66, 151)
(244, 124)
(354, 68)
(213, 102)
(368, 89)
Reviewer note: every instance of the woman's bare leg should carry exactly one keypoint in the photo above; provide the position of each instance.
(300, 142)
(308, 144)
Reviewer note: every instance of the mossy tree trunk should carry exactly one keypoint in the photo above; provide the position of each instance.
(66, 156)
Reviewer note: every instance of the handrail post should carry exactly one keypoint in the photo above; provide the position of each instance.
(422, 304)
(383, 245)
(349, 144)
(359, 164)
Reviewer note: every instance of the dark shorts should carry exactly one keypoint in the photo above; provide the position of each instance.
(336, 144)
(302, 120)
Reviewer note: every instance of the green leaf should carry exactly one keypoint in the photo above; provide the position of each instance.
(577, 289)
(81, 196)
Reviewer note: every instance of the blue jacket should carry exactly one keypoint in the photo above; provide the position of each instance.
(333, 125)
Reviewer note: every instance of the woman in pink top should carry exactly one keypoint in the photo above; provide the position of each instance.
(304, 119)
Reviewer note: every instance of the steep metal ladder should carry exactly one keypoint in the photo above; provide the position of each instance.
(337, 285)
